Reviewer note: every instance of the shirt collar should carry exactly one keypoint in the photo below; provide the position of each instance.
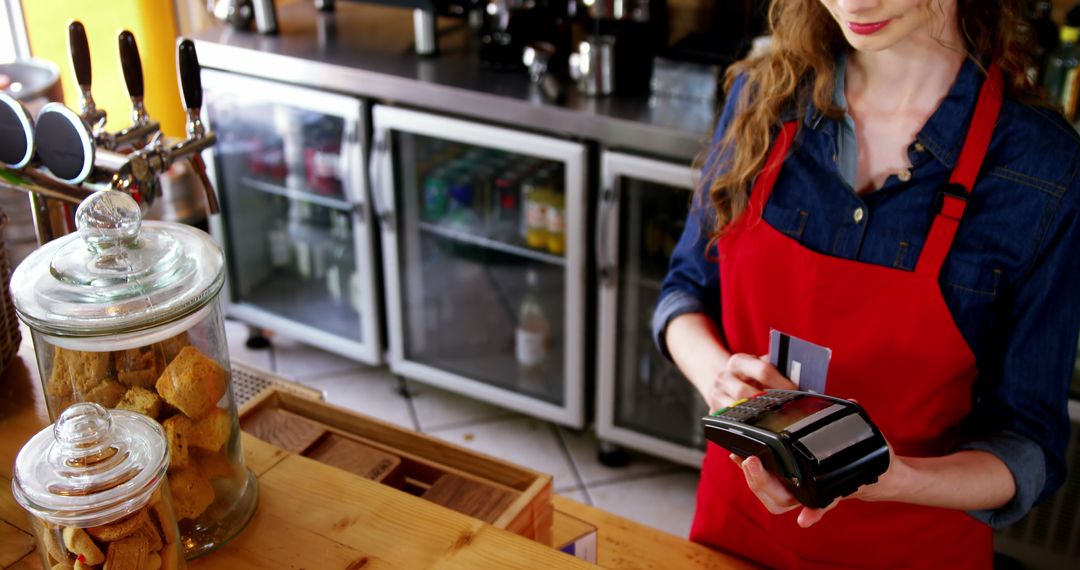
(944, 132)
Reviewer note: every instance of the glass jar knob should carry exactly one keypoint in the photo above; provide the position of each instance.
(107, 219)
(84, 433)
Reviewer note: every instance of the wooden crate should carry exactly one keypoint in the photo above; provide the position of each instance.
(505, 495)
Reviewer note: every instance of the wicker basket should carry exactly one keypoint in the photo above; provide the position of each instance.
(10, 335)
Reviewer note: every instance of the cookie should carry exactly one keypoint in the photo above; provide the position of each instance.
(193, 383)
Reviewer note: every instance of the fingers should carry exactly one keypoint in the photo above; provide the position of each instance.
(808, 517)
(769, 490)
(749, 367)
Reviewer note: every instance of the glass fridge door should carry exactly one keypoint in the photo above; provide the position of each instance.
(288, 167)
(483, 237)
(644, 402)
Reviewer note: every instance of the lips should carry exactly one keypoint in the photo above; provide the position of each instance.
(867, 29)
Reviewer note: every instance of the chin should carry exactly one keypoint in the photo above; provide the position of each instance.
(870, 43)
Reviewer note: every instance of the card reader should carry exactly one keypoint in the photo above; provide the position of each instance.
(821, 447)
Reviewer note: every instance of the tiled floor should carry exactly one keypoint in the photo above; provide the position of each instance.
(650, 490)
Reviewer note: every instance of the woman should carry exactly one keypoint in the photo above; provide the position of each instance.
(879, 184)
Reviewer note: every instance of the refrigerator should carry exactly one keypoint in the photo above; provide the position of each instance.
(643, 401)
(483, 240)
(295, 222)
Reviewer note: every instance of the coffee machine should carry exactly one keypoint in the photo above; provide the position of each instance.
(622, 38)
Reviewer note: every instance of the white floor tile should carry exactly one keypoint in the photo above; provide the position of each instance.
(665, 502)
(237, 334)
(438, 409)
(525, 441)
(576, 495)
(582, 446)
(298, 361)
(370, 391)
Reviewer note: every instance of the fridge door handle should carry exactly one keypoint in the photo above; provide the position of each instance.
(379, 150)
(605, 257)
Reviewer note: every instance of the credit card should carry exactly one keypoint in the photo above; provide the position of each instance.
(804, 363)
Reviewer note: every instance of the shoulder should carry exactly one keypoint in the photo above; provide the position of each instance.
(1037, 148)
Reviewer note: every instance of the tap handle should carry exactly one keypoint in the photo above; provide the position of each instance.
(190, 82)
(131, 64)
(80, 53)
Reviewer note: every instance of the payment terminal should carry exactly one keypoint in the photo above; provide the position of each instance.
(821, 447)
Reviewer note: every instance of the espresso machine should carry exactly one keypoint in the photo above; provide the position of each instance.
(623, 36)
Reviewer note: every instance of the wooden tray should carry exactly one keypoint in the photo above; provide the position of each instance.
(502, 494)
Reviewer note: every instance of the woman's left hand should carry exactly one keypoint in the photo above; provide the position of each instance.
(777, 499)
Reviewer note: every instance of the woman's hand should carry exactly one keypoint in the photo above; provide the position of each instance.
(777, 499)
(744, 376)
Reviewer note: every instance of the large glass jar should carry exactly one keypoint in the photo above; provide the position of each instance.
(125, 314)
(95, 488)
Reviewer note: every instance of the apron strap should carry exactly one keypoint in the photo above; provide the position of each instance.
(953, 199)
(767, 179)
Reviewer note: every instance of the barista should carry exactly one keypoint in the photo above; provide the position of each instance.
(884, 183)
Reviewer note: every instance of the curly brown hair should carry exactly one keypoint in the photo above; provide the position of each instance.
(801, 66)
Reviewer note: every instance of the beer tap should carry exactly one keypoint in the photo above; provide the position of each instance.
(139, 175)
(142, 128)
(79, 48)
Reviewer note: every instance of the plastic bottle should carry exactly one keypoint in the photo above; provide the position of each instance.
(556, 223)
(532, 337)
(536, 196)
(1062, 77)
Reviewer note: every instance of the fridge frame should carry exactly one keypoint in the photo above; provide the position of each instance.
(573, 156)
(353, 111)
(614, 166)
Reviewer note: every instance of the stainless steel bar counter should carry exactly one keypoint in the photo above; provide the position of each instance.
(367, 51)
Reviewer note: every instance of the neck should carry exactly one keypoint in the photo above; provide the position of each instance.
(915, 73)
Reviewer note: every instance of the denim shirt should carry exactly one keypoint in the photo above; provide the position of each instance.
(1011, 280)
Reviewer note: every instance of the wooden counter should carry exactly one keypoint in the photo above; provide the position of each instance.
(342, 521)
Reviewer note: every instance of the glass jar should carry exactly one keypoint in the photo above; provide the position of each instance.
(95, 488)
(125, 314)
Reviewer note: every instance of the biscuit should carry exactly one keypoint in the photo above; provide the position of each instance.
(81, 545)
(193, 383)
(53, 546)
(191, 492)
(107, 393)
(178, 431)
(128, 554)
(77, 371)
(149, 531)
(170, 347)
(141, 400)
(63, 565)
(154, 562)
(213, 465)
(122, 528)
(212, 431)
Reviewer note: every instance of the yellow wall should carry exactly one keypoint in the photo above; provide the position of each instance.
(154, 24)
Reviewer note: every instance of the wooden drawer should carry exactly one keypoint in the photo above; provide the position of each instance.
(502, 494)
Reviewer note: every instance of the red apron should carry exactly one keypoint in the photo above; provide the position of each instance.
(895, 349)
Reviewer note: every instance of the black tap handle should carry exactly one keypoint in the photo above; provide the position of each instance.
(190, 81)
(80, 52)
(131, 64)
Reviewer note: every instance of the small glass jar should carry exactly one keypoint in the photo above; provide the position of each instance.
(95, 488)
(125, 314)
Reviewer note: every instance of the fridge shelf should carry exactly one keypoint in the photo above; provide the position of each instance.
(485, 242)
(270, 188)
(302, 300)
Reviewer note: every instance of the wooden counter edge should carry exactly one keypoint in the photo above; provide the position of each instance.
(623, 544)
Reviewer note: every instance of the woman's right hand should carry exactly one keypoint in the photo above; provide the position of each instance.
(744, 376)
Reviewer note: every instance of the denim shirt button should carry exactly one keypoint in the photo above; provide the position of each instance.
(919, 147)
(904, 175)
(858, 215)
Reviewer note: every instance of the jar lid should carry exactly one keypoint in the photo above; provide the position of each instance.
(92, 467)
(117, 273)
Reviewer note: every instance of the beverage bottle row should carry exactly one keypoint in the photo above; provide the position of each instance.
(512, 198)
(1062, 79)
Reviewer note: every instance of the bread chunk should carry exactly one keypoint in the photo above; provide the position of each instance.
(120, 529)
(77, 371)
(214, 465)
(171, 347)
(191, 492)
(108, 393)
(212, 431)
(193, 383)
(138, 366)
(178, 431)
(141, 400)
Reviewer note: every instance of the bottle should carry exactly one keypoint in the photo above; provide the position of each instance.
(536, 196)
(436, 195)
(1062, 79)
(532, 337)
(1046, 33)
(340, 265)
(278, 237)
(556, 223)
